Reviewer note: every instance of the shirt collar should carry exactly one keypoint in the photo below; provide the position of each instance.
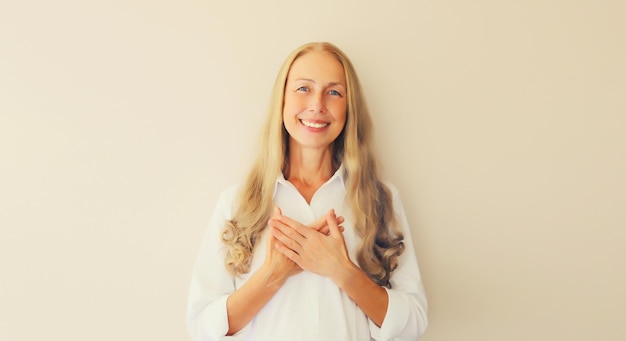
(339, 174)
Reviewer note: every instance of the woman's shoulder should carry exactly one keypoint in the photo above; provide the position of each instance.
(227, 199)
(230, 193)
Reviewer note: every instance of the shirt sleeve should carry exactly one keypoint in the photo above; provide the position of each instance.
(406, 311)
(211, 283)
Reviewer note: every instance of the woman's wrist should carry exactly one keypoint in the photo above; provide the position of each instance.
(345, 274)
(269, 278)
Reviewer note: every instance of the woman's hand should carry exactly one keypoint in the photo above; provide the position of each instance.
(321, 224)
(276, 265)
(325, 255)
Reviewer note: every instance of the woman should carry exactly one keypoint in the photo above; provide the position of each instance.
(314, 246)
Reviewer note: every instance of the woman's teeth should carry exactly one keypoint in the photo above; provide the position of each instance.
(314, 124)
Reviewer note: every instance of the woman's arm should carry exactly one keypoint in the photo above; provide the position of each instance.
(407, 310)
(369, 296)
(211, 283)
(215, 306)
(243, 304)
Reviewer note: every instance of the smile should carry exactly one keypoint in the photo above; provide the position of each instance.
(314, 124)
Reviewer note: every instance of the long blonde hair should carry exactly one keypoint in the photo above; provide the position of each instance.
(370, 199)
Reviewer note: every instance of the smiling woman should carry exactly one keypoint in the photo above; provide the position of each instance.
(314, 245)
(314, 112)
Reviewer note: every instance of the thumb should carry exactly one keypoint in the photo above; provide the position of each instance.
(277, 212)
(332, 224)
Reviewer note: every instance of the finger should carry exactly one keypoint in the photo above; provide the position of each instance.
(339, 220)
(277, 212)
(294, 225)
(285, 240)
(326, 230)
(289, 253)
(332, 224)
(288, 231)
(320, 223)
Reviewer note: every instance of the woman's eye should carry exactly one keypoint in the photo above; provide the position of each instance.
(334, 93)
(302, 88)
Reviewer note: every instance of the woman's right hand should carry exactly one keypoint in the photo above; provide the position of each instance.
(277, 266)
(246, 302)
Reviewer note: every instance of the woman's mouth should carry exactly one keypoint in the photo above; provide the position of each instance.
(312, 124)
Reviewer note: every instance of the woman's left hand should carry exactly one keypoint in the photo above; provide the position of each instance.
(325, 255)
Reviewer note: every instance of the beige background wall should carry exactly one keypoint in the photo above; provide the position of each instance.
(501, 122)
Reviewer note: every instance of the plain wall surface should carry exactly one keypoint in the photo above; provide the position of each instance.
(502, 124)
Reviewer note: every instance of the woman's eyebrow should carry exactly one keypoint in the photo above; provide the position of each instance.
(312, 81)
(336, 83)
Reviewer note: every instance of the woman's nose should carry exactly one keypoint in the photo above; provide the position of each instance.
(317, 103)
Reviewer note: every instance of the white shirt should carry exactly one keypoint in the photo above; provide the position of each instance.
(308, 306)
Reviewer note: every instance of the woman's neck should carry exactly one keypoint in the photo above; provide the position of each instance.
(309, 169)
(310, 166)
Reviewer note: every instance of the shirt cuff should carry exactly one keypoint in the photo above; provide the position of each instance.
(215, 320)
(398, 311)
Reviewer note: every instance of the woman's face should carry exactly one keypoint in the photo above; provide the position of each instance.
(314, 109)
